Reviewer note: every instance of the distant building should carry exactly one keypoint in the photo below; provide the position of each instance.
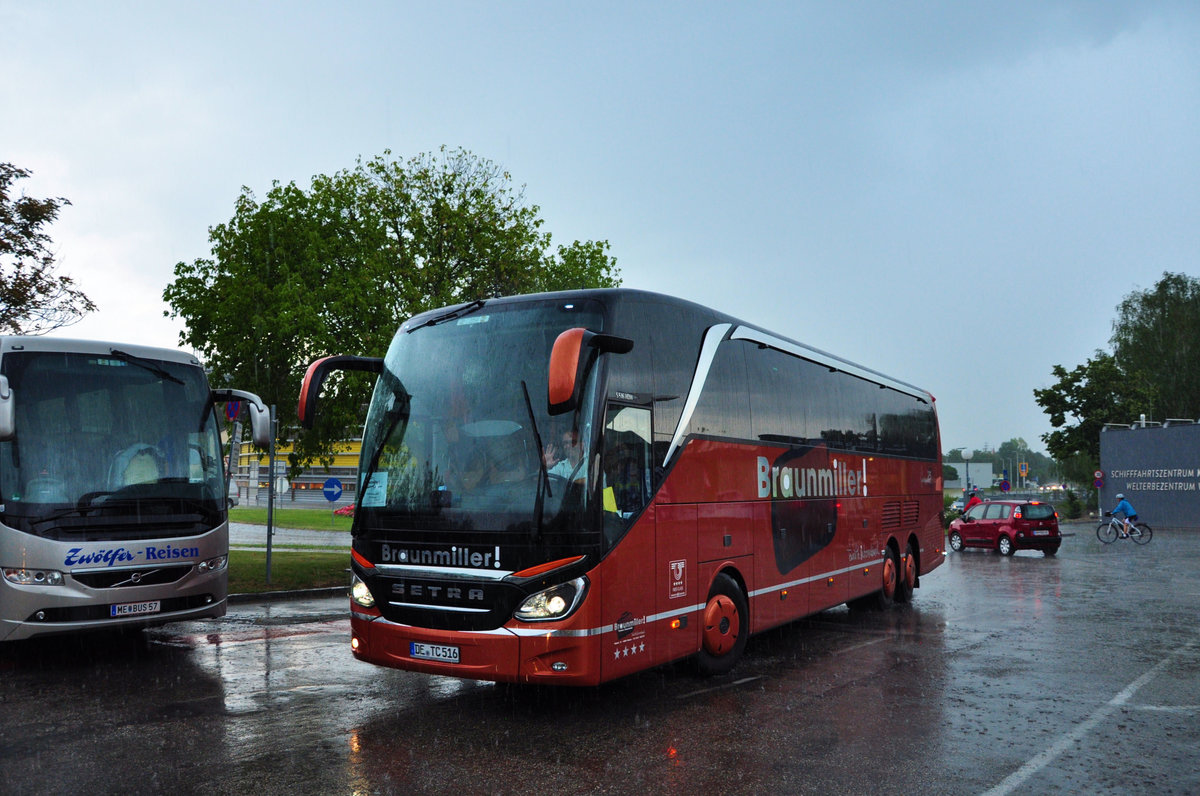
(250, 474)
(981, 475)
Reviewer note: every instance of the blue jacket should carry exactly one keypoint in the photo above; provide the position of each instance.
(1125, 508)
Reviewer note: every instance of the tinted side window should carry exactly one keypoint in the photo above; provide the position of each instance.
(723, 409)
(775, 382)
(799, 401)
(677, 335)
(995, 511)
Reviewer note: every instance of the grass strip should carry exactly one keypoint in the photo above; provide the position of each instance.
(304, 519)
(289, 571)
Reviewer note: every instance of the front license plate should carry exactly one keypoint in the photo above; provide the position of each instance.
(433, 652)
(135, 609)
(1042, 532)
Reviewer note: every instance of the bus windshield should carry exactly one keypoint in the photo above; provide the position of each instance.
(110, 446)
(458, 436)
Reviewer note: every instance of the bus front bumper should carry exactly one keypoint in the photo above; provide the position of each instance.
(508, 654)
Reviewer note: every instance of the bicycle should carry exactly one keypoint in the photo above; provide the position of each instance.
(1110, 531)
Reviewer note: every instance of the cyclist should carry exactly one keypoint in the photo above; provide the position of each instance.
(1126, 508)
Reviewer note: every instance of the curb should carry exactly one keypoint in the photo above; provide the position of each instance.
(298, 594)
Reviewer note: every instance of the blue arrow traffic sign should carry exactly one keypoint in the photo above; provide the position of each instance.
(333, 489)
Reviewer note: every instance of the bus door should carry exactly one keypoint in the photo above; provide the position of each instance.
(669, 535)
(630, 601)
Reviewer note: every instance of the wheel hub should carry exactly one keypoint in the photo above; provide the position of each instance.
(721, 625)
(889, 576)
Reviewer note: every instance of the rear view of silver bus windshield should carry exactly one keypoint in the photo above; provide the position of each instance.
(109, 448)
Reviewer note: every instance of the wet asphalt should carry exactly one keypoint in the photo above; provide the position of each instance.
(1025, 675)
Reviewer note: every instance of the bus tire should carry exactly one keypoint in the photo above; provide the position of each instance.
(886, 596)
(908, 576)
(725, 627)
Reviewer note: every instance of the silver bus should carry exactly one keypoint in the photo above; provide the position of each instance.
(113, 509)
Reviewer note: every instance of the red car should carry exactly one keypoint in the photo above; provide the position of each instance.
(1007, 526)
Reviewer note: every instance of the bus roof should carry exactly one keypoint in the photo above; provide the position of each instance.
(763, 336)
(101, 347)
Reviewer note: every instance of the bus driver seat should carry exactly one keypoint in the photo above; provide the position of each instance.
(137, 464)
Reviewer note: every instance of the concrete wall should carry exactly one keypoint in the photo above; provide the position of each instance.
(1158, 470)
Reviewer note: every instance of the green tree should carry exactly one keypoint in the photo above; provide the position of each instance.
(337, 267)
(33, 298)
(1010, 455)
(1156, 337)
(1081, 402)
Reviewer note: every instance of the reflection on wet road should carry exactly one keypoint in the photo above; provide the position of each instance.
(1007, 675)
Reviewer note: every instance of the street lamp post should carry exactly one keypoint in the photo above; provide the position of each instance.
(966, 454)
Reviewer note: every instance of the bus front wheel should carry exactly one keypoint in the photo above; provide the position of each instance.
(726, 626)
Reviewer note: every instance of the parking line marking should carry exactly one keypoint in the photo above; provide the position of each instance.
(1043, 759)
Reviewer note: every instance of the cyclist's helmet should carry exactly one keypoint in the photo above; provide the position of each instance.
(1120, 496)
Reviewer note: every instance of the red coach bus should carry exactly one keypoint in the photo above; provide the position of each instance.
(567, 488)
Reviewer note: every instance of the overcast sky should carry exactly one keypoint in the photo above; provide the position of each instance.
(956, 194)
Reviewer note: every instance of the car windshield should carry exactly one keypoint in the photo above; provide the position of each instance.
(458, 436)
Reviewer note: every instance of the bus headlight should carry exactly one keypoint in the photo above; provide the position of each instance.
(553, 603)
(360, 594)
(213, 564)
(33, 577)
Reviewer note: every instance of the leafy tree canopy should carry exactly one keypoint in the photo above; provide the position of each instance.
(1083, 400)
(337, 267)
(1156, 338)
(1154, 370)
(33, 298)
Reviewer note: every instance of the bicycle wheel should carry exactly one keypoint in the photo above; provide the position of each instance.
(1141, 533)
(1106, 533)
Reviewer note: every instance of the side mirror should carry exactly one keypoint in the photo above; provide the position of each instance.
(318, 371)
(260, 417)
(8, 426)
(570, 359)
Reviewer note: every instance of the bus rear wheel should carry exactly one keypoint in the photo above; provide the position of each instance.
(726, 627)
(908, 576)
(886, 596)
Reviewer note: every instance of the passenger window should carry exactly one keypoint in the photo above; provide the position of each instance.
(626, 466)
(994, 512)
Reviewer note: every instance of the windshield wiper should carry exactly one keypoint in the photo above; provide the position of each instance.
(81, 511)
(120, 509)
(142, 362)
(466, 309)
